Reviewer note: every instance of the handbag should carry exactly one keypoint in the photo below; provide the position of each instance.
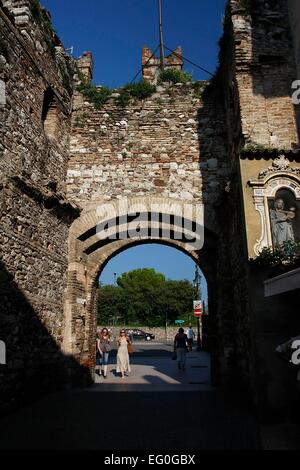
(129, 348)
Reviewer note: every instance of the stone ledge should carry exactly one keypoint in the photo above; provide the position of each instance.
(64, 209)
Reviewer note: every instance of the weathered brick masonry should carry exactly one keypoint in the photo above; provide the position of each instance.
(34, 214)
(61, 158)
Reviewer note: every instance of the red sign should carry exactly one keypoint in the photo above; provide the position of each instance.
(197, 308)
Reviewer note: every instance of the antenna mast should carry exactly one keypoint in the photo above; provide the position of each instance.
(161, 39)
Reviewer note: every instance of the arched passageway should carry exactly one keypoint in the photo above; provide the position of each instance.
(100, 235)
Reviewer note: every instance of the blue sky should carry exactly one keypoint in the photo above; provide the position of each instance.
(116, 30)
(171, 262)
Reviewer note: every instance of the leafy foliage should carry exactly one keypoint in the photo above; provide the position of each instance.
(247, 7)
(286, 254)
(96, 95)
(174, 76)
(253, 148)
(140, 90)
(199, 87)
(99, 95)
(145, 297)
(41, 16)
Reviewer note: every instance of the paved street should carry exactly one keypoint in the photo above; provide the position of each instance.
(153, 370)
(156, 407)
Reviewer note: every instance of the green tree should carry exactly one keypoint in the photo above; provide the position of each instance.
(110, 309)
(145, 297)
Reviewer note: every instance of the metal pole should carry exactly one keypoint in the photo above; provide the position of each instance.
(161, 39)
(198, 335)
(197, 287)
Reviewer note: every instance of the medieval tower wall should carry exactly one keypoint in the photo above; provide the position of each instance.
(36, 78)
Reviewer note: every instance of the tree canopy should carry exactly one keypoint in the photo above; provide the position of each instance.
(145, 297)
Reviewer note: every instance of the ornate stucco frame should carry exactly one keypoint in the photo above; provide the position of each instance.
(280, 176)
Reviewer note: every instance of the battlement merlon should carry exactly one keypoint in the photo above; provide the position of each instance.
(151, 65)
(85, 64)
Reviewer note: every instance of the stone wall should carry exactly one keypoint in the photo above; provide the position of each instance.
(161, 334)
(265, 70)
(294, 11)
(163, 145)
(34, 213)
(183, 143)
(170, 146)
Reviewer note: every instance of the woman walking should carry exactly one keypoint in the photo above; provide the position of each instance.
(180, 346)
(123, 356)
(103, 350)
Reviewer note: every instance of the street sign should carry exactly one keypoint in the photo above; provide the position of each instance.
(179, 322)
(197, 305)
(197, 308)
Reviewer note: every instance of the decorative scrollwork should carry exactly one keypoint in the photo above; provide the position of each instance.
(279, 164)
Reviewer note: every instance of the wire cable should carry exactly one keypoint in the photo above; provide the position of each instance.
(187, 60)
(141, 70)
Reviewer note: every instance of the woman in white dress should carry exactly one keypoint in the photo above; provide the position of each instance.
(123, 356)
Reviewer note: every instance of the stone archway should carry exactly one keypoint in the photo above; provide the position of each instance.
(90, 251)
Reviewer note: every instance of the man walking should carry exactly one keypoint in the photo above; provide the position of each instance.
(190, 337)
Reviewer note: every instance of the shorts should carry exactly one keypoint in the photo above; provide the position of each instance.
(102, 360)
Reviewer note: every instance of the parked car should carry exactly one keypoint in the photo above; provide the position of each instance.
(139, 335)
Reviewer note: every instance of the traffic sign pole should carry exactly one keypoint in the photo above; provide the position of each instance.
(198, 315)
(198, 335)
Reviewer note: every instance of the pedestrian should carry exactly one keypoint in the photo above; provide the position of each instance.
(190, 337)
(180, 347)
(103, 350)
(123, 357)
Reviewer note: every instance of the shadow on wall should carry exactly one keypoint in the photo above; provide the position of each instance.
(226, 279)
(35, 364)
(273, 68)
